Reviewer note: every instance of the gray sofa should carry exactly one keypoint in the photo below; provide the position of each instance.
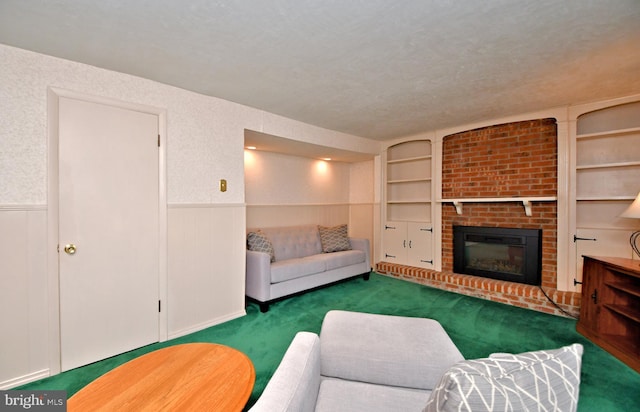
(282, 261)
(367, 362)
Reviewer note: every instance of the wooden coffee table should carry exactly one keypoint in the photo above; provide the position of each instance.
(188, 377)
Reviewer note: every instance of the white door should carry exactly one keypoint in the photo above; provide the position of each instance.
(395, 242)
(420, 251)
(108, 211)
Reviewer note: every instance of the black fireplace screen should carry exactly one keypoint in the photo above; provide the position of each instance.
(510, 254)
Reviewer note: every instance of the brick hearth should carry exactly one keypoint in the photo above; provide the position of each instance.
(504, 161)
(516, 294)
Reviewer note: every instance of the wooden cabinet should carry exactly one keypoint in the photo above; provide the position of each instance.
(610, 311)
(408, 231)
(409, 243)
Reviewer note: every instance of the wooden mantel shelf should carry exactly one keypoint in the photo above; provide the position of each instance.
(526, 201)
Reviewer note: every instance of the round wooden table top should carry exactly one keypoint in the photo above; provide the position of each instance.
(187, 377)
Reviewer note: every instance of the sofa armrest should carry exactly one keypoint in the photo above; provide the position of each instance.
(258, 276)
(295, 384)
(361, 244)
(386, 350)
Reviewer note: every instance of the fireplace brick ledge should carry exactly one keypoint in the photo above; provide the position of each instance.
(526, 201)
(515, 294)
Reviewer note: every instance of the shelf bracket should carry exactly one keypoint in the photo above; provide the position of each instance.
(458, 206)
(527, 207)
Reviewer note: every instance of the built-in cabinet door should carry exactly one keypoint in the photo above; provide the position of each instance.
(409, 243)
(419, 246)
(395, 242)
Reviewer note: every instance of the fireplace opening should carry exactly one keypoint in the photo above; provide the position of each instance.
(509, 254)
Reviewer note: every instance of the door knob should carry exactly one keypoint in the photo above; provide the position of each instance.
(70, 249)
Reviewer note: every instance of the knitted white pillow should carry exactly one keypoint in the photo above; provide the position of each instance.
(532, 381)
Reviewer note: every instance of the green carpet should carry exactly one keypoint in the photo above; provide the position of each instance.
(478, 327)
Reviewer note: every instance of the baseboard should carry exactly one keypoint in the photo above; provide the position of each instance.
(24, 379)
(204, 325)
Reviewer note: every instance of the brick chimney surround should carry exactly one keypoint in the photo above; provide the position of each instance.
(511, 160)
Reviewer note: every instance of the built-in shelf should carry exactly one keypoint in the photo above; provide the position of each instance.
(607, 165)
(409, 204)
(426, 179)
(526, 201)
(409, 159)
(609, 133)
(605, 198)
(408, 201)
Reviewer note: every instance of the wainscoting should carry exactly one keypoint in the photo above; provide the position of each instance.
(206, 264)
(204, 281)
(23, 294)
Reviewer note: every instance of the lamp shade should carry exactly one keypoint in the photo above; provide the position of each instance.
(633, 211)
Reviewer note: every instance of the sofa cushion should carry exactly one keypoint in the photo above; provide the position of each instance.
(342, 395)
(258, 242)
(334, 239)
(385, 349)
(532, 381)
(283, 270)
(294, 241)
(341, 259)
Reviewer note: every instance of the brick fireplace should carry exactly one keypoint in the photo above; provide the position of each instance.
(512, 160)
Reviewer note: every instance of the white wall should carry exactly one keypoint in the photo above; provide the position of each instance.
(205, 139)
(274, 178)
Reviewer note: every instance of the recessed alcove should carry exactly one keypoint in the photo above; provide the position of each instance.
(289, 182)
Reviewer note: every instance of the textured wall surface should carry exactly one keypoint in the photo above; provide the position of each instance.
(205, 135)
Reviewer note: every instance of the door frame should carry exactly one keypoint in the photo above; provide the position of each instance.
(53, 268)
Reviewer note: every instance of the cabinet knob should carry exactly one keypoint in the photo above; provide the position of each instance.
(594, 296)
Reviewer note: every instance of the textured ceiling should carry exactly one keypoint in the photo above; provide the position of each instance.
(373, 68)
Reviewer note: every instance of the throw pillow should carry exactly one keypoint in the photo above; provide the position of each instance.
(334, 239)
(258, 242)
(532, 381)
